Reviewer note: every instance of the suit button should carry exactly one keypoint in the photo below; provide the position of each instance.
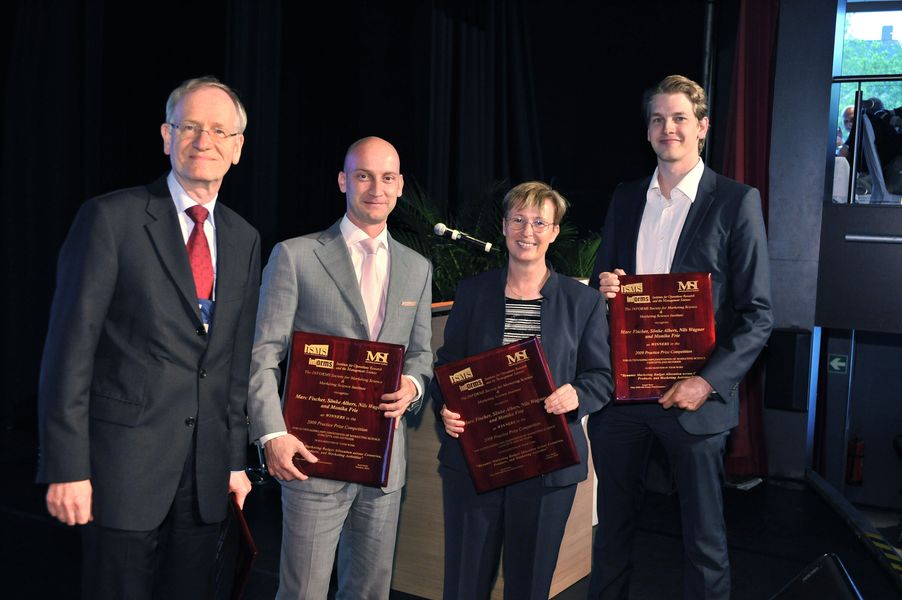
(189, 422)
(201, 331)
(202, 373)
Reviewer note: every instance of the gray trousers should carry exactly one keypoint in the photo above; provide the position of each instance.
(361, 521)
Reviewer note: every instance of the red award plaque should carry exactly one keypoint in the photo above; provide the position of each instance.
(332, 393)
(508, 435)
(662, 330)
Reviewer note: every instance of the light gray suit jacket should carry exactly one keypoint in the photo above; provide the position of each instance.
(309, 284)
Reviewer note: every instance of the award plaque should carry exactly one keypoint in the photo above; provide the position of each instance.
(333, 388)
(662, 330)
(500, 396)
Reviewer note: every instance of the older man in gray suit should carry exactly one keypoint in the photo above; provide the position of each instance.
(313, 283)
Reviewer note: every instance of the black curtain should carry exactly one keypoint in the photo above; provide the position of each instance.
(482, 125)
(85, 89)
(471, 93)
(253, 59)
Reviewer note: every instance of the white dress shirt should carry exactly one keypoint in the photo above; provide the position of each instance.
(663, 220)
(353, 235)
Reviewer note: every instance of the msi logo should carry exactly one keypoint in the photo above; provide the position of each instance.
(377, 357)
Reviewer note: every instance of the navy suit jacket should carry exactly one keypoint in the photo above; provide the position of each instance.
(129, 375)
(723, 235)
(574, 339)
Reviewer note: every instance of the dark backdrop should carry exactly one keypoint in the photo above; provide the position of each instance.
(471, 93)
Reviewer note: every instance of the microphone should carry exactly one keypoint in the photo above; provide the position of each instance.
(441, 229)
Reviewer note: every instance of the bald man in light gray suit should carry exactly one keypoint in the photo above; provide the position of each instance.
(312, 284)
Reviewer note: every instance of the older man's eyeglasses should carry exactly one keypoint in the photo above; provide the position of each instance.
(518, 223)
(193, 129)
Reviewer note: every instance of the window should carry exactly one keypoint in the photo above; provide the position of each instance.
(871, 45)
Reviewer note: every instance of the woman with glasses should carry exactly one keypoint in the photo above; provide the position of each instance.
(526, 298)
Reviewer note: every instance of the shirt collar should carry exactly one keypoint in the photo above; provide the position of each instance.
(183, 201)
(353, 234)
(688, 185)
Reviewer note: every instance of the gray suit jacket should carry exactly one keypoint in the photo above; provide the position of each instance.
(129, 377)
(723, 235)
(309, 284)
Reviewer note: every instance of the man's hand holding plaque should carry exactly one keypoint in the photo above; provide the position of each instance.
(280, 454)
(395, 404)
(688, 394)
(662, 332)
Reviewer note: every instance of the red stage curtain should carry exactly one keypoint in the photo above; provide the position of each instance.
(746, 159)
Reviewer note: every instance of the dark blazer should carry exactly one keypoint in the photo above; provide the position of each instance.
(128, 373)
(723, 235)
(574, 339)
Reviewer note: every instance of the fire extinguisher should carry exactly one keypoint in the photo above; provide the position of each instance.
(855, 460)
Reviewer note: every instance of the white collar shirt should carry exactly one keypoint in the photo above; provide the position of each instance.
(353, 235)
(663, 220)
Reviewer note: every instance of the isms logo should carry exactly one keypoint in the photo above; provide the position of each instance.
(687, 286)
(516, 357)
(461, 375)
(379, 358)
(316, 349)
(631, 288)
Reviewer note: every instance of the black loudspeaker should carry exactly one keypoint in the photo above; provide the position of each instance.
(786, 356)
(824, 578)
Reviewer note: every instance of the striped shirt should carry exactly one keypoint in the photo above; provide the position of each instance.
(522, 319)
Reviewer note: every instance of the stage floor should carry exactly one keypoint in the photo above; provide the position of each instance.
(774, 529)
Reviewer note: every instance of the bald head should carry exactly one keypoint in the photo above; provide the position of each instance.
(369, 145)
(848, 118)
(372, 182)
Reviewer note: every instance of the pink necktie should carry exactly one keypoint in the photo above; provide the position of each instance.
(199, 253)
(370, 288)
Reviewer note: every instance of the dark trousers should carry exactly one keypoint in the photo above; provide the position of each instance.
(621, 438)
(173, 561)
(526, 519)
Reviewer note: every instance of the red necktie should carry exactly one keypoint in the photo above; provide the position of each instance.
(199, 253)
